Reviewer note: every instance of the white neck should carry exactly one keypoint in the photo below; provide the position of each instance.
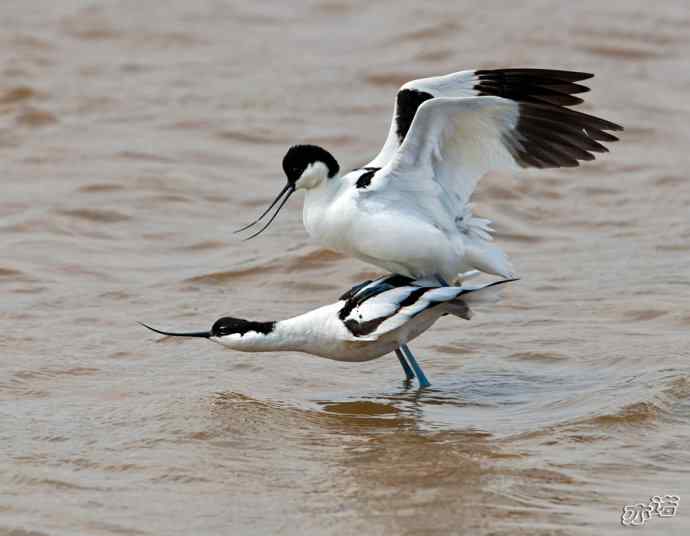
(317, 201)
(313, 176)
(303, 333)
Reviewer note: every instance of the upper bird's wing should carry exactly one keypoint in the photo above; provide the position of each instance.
(453, 142)
(537, 86)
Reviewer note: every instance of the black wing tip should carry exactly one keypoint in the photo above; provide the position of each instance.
(551, 136)
(557, 74)
(609, 138)
(542, 86)
(501, 282)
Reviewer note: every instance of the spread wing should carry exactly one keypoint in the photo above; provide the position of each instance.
(453, 142)
(538, 86)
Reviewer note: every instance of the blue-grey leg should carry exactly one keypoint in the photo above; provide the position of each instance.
(421, 377)
(409, 375)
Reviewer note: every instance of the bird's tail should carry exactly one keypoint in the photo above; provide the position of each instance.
(480, 251)
(475, 295)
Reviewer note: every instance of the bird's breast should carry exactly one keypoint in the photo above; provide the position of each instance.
(328, 220)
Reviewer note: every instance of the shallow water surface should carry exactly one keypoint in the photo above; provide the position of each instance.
(136, 136)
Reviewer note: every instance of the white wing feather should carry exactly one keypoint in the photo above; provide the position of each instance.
(446, 133)
(405, 314)
(454, 142)
(392, 309)
(550, 87)
(460, 84)
(386, 311)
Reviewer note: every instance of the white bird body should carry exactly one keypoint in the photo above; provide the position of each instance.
(408, 211)
(320, 333)
(369, 321)
(383, 231)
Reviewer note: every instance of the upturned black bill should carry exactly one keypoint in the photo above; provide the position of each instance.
(204, 334)
(282, 197)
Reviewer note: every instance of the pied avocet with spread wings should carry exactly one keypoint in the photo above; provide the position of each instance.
(408, 210)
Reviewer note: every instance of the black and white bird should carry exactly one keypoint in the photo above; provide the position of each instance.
(408, 211)
(370, 320)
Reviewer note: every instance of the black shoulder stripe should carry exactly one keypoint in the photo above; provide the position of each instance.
(361, 329)
(360, 298)
(413, 297)
(408, 101)
(365, 178)
(354, 290)
(347, 309)
(358, 294)
(397, 280)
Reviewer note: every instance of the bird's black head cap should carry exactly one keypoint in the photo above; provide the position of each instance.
(296, 160)
(299, 157)
(229, 325)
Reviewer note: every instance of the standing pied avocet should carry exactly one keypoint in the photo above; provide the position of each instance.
(370, 320)
(407, 211)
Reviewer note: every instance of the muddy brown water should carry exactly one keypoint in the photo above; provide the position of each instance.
(135, 136)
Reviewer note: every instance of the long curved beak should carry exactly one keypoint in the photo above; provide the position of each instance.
(204, 334)
(284, 195)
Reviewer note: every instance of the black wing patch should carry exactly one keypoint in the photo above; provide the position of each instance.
(365, 292)
(362, 329)
(364, 179)
(553, 136)
(362, 292)
(367, 327)
(548, 133)
(541, 86)
(408, 101)
(548, 92)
